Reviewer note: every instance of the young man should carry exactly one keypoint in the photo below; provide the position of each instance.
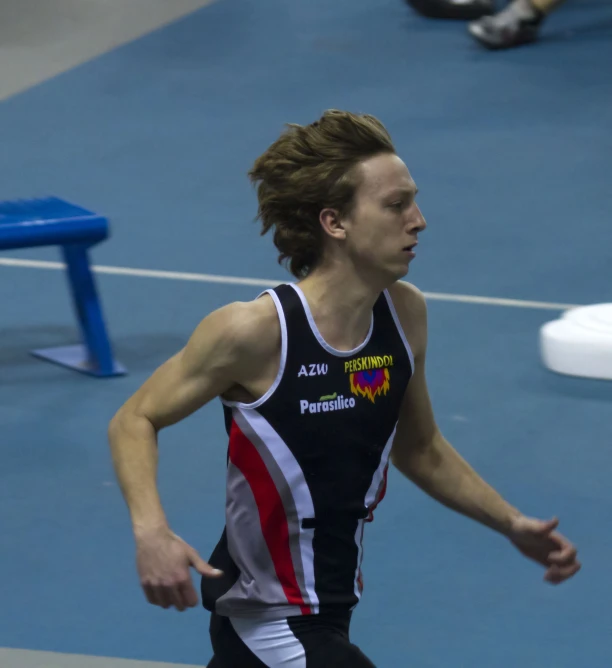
(322, 383)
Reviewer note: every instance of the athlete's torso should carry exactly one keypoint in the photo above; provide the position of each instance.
(307, 465)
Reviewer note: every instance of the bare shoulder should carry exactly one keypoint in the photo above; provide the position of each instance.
(244, 329)
(230, 345)
(411, 309)
(407, 297)
(254, 326)
(249, 347)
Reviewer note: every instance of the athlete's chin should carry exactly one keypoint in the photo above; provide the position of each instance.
(399, 270)
(388, 272)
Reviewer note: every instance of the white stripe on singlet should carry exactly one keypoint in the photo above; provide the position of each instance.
(371, 499)
(272, 642)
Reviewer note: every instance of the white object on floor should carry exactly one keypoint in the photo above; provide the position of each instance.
(580, 342)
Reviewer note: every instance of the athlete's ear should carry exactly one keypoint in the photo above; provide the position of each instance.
(332, 224)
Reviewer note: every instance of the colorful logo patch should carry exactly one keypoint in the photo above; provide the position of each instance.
(369, 376)
(370, 384)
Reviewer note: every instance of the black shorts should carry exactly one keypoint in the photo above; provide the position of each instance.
(309, 641)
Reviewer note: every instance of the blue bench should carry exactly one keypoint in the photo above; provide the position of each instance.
(54, 222)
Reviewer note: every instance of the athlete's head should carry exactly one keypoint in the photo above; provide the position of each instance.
(336, 191)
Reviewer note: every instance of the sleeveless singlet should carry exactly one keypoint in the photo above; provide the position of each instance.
(307, 466)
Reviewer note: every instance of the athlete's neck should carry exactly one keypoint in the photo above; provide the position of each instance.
(341, 306)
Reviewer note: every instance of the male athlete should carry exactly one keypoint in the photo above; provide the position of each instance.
(322, 383)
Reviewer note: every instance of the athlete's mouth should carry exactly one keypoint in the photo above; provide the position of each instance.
(411, 247)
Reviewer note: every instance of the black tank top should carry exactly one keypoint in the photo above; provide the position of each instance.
(307, 466)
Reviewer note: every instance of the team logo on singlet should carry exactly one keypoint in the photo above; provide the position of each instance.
(326, 404)
(369, 376)
(313, 370)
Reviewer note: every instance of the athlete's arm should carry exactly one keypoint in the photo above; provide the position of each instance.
(217, 356)
(423, 455)
(420, 451)
(227, 347)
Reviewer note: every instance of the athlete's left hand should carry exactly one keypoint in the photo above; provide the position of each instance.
(538, 540)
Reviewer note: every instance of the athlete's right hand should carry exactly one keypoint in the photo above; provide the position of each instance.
(163, 560)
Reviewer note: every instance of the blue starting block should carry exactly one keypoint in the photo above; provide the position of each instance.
(54, 222)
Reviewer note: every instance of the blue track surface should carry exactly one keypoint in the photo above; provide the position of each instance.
(513, 156)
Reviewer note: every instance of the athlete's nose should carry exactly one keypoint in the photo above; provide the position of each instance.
(418, 223)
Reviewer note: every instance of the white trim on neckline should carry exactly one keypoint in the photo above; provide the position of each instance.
(315, 330)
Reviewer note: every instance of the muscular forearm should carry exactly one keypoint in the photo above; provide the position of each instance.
(133, 444)
(443, 474)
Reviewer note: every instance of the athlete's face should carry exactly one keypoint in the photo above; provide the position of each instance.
(381, 231)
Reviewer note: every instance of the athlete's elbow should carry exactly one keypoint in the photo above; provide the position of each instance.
(416, 460)
(127, 423)
(117, 427)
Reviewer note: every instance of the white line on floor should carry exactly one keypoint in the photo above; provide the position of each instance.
(267, 283)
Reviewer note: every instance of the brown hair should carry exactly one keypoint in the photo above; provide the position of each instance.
(309, 168)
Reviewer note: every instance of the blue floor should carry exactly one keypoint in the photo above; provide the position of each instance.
(513, 155)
